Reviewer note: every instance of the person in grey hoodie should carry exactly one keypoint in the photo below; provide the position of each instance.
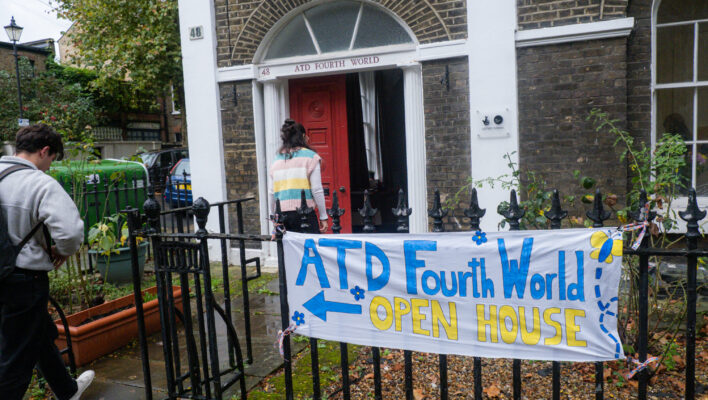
(27, 332)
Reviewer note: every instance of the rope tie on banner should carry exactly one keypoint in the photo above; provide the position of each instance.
(640, 365)
(281, 338)
(640, 226)
(277, 228)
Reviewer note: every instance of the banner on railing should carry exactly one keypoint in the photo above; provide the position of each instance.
(541, 295)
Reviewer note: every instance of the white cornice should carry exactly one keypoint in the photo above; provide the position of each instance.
(574, 33)
(237, 73)
(394, 54)
(440, 50)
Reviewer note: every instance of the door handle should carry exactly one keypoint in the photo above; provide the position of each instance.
(342, 189)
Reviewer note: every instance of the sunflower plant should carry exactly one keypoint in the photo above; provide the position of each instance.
(106, 237)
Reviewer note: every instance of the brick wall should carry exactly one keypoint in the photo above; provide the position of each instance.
(240, 153)
(447, 133)
(241, 25)
(558, 86)
(534, 14)
(639, 71)
(7, 60)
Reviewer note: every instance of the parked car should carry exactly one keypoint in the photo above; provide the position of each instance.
(159, 164)
(178, 185)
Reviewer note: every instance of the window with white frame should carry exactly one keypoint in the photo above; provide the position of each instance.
(337, 26)
(681, 82)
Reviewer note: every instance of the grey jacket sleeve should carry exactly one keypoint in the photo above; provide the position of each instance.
(61, 217)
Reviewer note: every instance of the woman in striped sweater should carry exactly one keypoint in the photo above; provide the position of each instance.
(297, 168)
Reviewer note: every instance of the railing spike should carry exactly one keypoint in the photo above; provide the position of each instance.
(152, 210)
(556, 214)
(367, 212)
(437, 213)
(474, 213)
(336, 213)
(637, 214)
(201, 212)
(692, 215)
(598, 214)
(304, 212)
(277, 219)
(402, 212)
(513, 214)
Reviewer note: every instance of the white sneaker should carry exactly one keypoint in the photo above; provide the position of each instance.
(83, 381)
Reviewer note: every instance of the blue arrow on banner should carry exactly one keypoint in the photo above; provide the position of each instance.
(319, 307)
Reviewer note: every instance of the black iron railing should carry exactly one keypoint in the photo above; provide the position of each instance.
(182, 254)
(513, 214)
(181, 246)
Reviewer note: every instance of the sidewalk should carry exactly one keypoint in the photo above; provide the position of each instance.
(119, 375)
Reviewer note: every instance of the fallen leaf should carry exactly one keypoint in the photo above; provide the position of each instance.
(418, 394)
(492, 391)
(611, 200)
(369, 376)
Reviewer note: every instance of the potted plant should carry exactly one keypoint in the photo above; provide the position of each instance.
(106, 327)
(110, 251)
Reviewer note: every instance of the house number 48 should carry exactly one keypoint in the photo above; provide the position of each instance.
(196, 33)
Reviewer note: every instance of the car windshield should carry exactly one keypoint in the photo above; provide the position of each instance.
(181, 168)
(148, 158)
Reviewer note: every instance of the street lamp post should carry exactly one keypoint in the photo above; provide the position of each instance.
(14, 32)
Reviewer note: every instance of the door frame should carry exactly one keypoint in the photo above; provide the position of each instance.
(275, 108)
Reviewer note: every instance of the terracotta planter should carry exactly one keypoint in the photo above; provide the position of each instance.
(107, 334)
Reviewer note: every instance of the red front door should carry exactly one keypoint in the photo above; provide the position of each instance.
(320, 104)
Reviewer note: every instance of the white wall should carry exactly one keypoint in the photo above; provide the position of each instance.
(203, 107)
(125, 148)
(491, 28)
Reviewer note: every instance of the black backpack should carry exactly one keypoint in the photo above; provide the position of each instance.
(8, 251)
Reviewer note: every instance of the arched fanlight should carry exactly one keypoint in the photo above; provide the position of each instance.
(337, 26)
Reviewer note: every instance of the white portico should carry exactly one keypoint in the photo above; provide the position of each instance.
(489, 48)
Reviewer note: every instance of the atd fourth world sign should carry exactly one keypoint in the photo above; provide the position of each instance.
(541, 295)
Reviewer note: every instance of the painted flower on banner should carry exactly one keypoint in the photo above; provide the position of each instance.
(606, 244)
(479, 237)
(358, 293)
(299, 318)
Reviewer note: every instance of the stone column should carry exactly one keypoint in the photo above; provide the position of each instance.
(415, 146)
(273, 121)
(206, 145)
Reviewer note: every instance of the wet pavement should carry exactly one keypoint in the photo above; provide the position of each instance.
(119, 375)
